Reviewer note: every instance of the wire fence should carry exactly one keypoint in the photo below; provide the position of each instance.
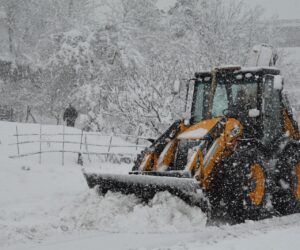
(115, 150)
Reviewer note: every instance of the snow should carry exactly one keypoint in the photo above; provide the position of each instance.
(176, 87)
(278, 82)
(39, 202)
(160, 162)
(186, 184)
(229, 66)
(194, 134)
(49, 206)
(256, 69)
(291, 75)
(253, 113)
(261, 56)
(165, 4)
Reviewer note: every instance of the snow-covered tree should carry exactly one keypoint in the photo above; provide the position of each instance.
(116, 60)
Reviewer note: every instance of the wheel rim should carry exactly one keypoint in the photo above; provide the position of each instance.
(258, 177)
(297, 184)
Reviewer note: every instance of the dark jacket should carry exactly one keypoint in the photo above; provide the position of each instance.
(70, 114)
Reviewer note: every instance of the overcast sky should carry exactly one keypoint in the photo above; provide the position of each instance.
(285, 9)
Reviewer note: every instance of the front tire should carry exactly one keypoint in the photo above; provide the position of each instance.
(242, 187)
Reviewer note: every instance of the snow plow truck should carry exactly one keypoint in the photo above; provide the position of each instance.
(237, 157)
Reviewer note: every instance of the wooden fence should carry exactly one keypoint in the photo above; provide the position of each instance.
(82, 145)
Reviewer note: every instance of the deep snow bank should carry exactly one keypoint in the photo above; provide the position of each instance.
(119, 213)
(39, 203)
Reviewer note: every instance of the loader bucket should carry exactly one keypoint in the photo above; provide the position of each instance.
(145, 187)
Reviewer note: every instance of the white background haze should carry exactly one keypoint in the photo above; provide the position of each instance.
(285, 9)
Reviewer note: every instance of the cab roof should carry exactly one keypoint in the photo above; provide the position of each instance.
(235, 70)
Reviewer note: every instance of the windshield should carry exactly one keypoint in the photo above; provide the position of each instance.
(200, 101)
(238, 96)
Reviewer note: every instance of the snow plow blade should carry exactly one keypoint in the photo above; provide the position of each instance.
(145, 187)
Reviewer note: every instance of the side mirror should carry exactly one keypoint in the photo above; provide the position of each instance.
(150, 140)
(176, 87)
(253, 113)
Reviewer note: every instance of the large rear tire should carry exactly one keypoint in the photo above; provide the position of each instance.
(286, 198)
(242, 188)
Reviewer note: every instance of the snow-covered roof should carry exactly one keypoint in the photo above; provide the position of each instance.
(228, 67)
(258, 69)
(271, 70)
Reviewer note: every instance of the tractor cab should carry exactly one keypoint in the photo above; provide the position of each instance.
(250, 95)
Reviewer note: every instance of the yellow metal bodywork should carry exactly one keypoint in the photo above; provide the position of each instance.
(258, 175)
(297, 187)
(153, 162)
(289, 127)
(200, 163)
(150, 160)
(292, 132)
(169, 155)
(223, 148)
(207, 125)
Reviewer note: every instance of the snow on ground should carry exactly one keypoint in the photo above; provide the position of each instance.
(49, 206)
(50, 200)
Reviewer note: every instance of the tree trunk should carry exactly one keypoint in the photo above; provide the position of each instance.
(57, 117)
(10, 22)
(29, 114)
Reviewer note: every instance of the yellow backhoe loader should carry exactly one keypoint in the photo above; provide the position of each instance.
(237, 157)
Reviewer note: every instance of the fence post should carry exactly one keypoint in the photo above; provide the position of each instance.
(40, 154)
(80, 160)
(137, 138)
(17, 135)
(109, 146)
(11, 114)
(137, 143)
(81, 137)
(86, 148)
(63, 146)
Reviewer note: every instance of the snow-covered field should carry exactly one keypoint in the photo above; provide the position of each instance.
(49, 206)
